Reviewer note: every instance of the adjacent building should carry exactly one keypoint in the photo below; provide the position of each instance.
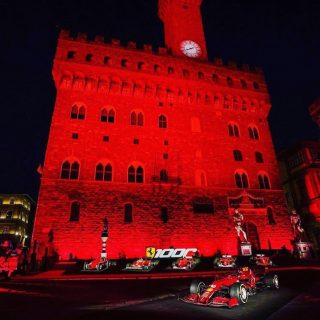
(16, 217)
(163, 143)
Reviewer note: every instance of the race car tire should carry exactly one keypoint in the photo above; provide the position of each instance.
(239, 291)
(197, 287)
(271, 280)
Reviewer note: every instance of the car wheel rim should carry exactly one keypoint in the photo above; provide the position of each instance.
(276, 282)
(243, 294)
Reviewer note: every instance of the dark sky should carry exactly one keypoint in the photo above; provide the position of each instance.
(283, 37)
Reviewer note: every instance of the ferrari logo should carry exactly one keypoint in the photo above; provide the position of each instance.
(150, 252)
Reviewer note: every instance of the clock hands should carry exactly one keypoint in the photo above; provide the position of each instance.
(189, 48)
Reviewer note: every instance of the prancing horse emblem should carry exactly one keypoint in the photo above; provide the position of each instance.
(150, 252)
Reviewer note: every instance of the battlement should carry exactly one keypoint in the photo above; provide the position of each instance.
(148, 48)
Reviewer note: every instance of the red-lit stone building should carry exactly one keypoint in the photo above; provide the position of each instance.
(163, 143)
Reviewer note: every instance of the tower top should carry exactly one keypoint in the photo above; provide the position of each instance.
(183, 28)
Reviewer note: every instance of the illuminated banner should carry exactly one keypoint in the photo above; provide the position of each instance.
(153, 253)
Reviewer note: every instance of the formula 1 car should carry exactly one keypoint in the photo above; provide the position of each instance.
(261, 260)
(97, 265)
(185, 263)
(225, 261)
(230, 290)
(142, 264)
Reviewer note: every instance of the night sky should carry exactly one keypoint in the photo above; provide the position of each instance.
(280, 36)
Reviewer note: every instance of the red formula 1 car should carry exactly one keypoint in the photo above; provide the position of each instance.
(230, 290)
(97, 265)
(225, 261)
(142, 264)
(261, 260)
(185, 263)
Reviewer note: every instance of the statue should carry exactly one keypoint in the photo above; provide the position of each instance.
(238, 220)
(298, 231)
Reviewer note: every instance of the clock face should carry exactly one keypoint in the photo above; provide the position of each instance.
(190, 48)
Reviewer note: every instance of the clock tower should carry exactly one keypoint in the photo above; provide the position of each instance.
(183, 27)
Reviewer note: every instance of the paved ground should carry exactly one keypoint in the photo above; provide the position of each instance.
(156, 299)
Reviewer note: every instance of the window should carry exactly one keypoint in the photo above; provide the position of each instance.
(200, 75)
(185, 73)
(124, 63)
(243, 84)
(202, 205)
(259, 157)
(135, 175)
(156, 68)
(89, 57)
(237, 154)
(241, 180)
(78, 113)
(106, 60)
(75, 211)
(163, 175)
(165, 156)
(140, 65)
(229, 81)
(164, 214)
(215, 78)
(71, 55)
(136, 119)
(256, 85)
(162, 121)
(170, 70)
(135, 141)
(166, 142)
(70, 171)
(128, 213)
(253, 133)
(263, 181)
(75, 136)
(103, 172)
(270, 216)
(107, 116)
(227, 103)
(233, 130)
(105, 138)
(9, 215)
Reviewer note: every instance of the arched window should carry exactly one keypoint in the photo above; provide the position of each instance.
(253, 133)
(82, 113)
(263, 181)
(243, 84)
(65, 171)
(111, 116)
(75, 211)
(200, 75)
(131, 174)
(135, 175)
(256, 85)
(104, 115)
(162, 121)
(259, 157)
(70, 172)
(163, 175)
(99, 172)
(164, 214)
(237, 154)
(124, 63)
(9, 215)
(241, 180)
(133, 119)
(74, 112)
(140, 65)
(185, 73)
(140, 119)
(227, 102)
(128, 213)
(215, 78)
(270, 216)
(233, 130)
(229, 81)
(103, 172)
